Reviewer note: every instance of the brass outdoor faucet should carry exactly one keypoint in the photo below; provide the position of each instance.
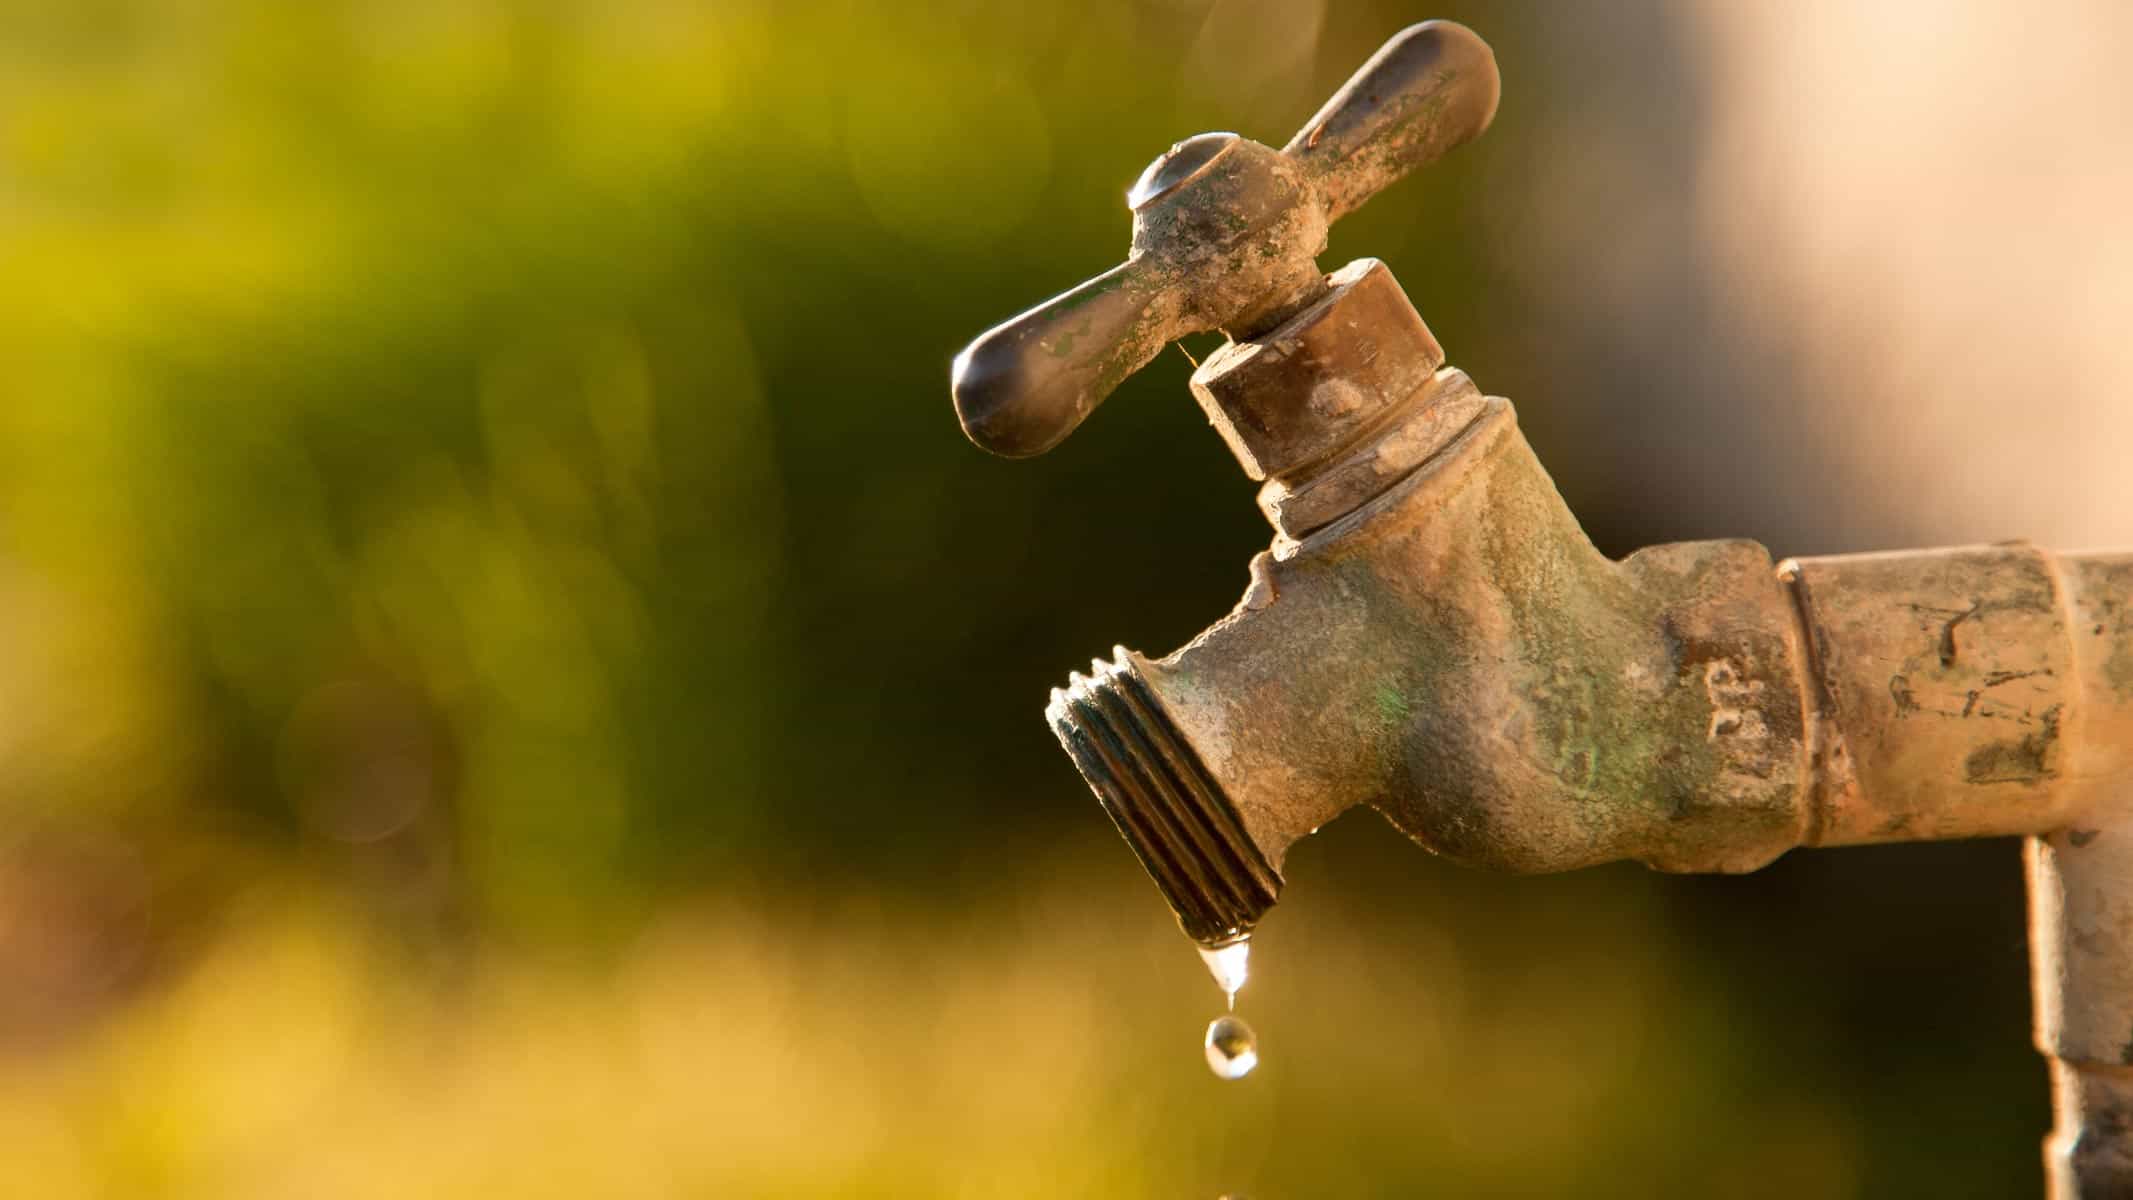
(1432, 634)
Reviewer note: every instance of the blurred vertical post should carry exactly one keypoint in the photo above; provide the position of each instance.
(2081, 954)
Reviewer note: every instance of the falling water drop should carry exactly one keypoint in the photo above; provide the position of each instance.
(1232, 1047)
(1230, 965)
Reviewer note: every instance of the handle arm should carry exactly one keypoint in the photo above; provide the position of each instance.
(1025, 384)
(1430, 89)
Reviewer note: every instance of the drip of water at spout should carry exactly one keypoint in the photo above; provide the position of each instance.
(1230, 965)
(1232, 1047)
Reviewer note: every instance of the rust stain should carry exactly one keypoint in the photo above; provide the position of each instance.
(2020, 760)
(1947, 633)
(1997, 678)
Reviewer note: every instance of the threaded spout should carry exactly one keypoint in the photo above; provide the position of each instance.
(1163, 800)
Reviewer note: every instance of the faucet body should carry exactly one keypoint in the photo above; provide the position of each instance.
(1452, 651)
(1432, 635)
(1457, 655)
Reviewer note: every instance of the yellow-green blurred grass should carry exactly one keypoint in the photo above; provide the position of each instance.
(1046, 1045)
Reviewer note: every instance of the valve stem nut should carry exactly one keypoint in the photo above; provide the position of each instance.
(1303, 392)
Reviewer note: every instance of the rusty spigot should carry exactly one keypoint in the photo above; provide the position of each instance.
(1432, 635)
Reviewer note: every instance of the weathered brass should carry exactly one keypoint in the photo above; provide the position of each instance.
(1226, 235)
(1431, 633)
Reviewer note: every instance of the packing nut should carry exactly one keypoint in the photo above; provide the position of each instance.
(1297, 396)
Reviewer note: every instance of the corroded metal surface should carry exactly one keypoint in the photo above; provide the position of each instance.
(1457, 655)
(1170, 810)
(1319, 382)
(2089, 1156)
(1226, 235)
(1944, 689)
(2081, 896)
(1306, 502)
(1452, 651)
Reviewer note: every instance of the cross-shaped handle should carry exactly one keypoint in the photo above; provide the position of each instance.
(1226, 235)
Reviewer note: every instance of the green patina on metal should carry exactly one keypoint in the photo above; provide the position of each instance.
(1392, 705)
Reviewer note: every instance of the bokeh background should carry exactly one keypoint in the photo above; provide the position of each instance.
(512, 684)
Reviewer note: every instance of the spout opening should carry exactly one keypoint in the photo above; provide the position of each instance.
(1164, 801)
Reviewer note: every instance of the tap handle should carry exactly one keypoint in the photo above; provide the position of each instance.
(1429, 90)
(1226, 233)
(1025, 384)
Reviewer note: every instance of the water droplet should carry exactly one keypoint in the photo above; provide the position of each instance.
(1232, 1047)
(1230, 965)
